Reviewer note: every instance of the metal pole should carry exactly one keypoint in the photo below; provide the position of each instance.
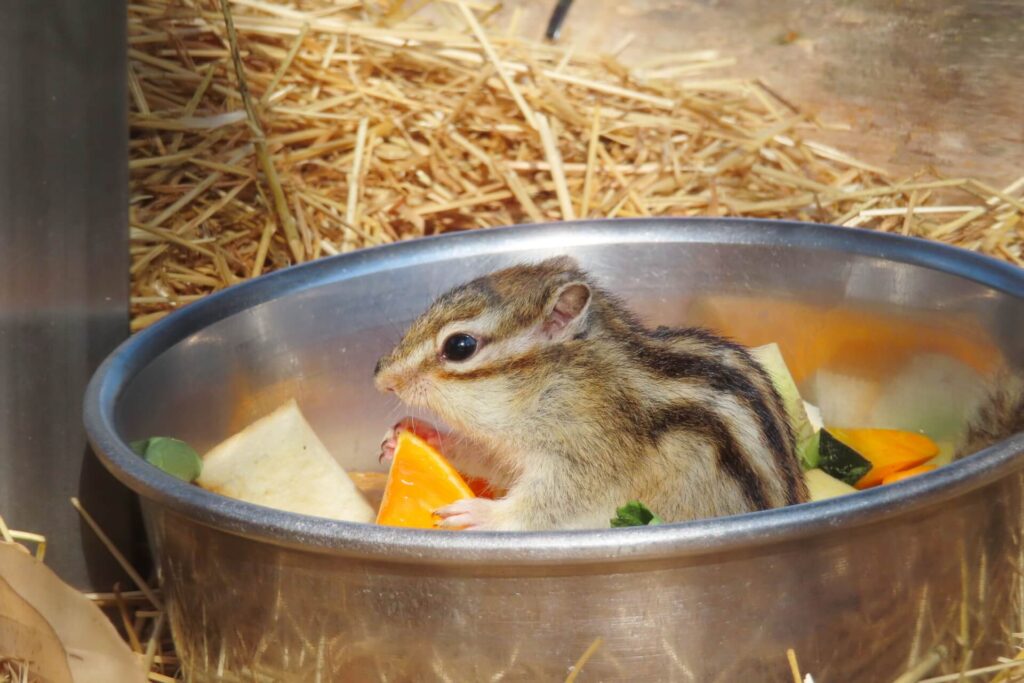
(63, 270)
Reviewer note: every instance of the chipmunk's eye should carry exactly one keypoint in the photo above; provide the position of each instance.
(459, 347)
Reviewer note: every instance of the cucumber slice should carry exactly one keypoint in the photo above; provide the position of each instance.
(841, 461)
(823, 486)
(814, 416)
(770, 358)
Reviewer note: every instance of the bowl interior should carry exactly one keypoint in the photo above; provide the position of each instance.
(871, 338)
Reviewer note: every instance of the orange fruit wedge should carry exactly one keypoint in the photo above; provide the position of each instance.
(420, 481)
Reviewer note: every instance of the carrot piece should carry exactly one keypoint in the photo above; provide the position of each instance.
(905, 474)
(888, 451)
(420, 481)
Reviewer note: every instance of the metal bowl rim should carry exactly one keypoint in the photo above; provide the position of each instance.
(695, 538)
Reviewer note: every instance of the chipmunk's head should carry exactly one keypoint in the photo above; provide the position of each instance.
(481, 346)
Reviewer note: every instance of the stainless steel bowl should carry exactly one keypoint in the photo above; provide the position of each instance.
(861, 587)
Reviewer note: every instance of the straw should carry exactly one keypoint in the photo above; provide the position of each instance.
(121, 559)
(267, 133)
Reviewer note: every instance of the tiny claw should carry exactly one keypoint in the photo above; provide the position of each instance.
(423, 430)
(468, 513)
(387, 446)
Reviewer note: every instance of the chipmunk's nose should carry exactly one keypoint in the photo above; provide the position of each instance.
(385, 381)
(383, 385)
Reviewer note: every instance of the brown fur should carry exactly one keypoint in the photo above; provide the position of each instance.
(683, 420)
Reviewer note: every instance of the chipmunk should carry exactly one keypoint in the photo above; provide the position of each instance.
(558, 394)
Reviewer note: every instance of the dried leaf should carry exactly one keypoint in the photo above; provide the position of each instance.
(28, 641)
(95, 653)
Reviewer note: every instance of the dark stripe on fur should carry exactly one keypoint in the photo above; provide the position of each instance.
(731, 457)
(773, 423)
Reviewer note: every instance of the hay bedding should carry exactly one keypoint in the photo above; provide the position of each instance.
(357, 124)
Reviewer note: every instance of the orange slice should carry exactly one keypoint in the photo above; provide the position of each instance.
(419, 482)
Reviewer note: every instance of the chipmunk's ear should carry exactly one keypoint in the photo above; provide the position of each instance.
(562, 263)
(566, 311)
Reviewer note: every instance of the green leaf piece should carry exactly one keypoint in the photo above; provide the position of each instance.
(173, 456)
(635, 513)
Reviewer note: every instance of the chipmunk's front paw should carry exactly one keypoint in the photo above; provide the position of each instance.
(422, 429)
(478, 514)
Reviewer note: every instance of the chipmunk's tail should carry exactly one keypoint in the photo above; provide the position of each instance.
(999, 415)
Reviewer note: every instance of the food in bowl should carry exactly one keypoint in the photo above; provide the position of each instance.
(279, 462)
